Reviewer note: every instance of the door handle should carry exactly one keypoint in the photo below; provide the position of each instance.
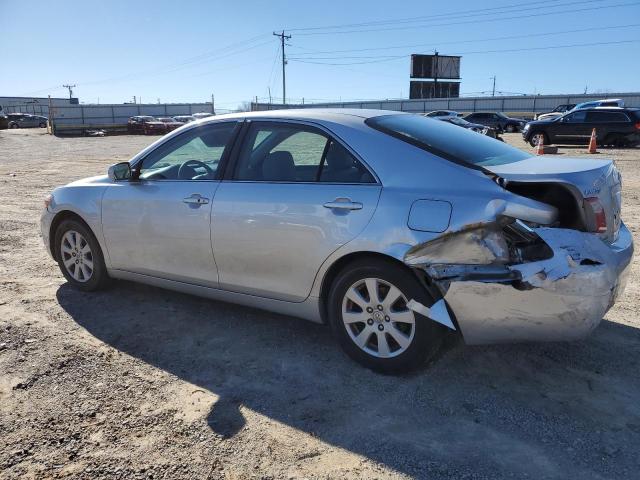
(343, 204)
(196, 199)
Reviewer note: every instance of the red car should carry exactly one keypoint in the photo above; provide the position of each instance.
(170, 123)
(147, 125)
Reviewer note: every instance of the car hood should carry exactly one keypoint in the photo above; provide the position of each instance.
(544, 121)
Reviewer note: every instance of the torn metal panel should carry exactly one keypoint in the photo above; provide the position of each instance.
(523, 208)
(438, 312)
(480, 246)
(561, 298)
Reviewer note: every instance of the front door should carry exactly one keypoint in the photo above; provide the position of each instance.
(159, 223)
(295, 195)
(572, 128)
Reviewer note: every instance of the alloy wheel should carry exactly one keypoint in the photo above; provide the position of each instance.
(537, 138)
(76, 256)
(377, 319)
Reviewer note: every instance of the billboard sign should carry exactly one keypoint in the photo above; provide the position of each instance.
(435, 66)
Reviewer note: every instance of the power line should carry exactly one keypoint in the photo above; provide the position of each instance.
(509, 37)
(414, 19)
(398, 57)
(474, 21)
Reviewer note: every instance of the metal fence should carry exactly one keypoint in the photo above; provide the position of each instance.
(522, 104)
(100, 116)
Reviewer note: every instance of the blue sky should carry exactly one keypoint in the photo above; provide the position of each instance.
(186, 50)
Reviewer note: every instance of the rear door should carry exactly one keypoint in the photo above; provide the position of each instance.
(294, 195)
(608, 124)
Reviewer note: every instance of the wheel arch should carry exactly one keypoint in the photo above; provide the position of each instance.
(341, 263)
(60, 217)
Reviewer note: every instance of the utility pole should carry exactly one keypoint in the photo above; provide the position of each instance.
(213, 104)
(283, 37)
(269, 88)
(70, 90)
(493, 92)
(435, 75)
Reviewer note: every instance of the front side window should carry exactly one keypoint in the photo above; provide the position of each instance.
(193, 155)
(576, 117)
(447, 141)
(278, 152)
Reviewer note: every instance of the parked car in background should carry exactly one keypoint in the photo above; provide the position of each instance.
(184, 118)
(614, 126)
(442, 113)
(4, 122)
(556, 112)
(146, 125)
(497, 120)
(475, 127)
(393, 228)
(25, 120)
(200, 115)
(606, 102)
(170, 123)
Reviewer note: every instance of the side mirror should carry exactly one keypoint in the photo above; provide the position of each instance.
(119, 171)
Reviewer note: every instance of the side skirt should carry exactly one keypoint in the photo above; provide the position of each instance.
(308, 309)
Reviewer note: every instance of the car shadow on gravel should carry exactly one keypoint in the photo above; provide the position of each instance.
(547, 410)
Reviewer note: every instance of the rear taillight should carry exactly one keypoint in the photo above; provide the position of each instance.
(598, 215)
(637, 125)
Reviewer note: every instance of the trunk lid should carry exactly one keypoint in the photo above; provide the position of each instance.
(591, 178)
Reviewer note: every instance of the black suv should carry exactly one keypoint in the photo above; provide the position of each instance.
(614, 126)
(497, 120)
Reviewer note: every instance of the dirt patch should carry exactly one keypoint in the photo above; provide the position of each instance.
(139, 382)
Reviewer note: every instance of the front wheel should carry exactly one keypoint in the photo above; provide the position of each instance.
(511, 128)
(370, 316)
(79, 256)
(538, 137)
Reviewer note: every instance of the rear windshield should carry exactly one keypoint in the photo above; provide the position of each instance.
(448, 141)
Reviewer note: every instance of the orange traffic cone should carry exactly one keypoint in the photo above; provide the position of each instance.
(592, 142)
(540, 146)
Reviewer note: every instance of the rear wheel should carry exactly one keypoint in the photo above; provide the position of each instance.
(369, 315)
(79, 256)
(510, 128)
(42, 125)
(616, 140)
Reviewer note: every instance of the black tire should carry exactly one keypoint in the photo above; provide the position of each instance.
(427, 334)
(616, 140)
(13, 125)
(532, 136)
(42, 125)
(99, 277)
(511, 128)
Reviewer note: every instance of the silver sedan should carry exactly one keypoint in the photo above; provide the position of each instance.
(394, 229)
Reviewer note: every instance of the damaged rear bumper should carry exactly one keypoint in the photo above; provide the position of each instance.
(562, 298)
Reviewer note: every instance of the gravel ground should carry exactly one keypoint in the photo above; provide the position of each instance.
(139, 382)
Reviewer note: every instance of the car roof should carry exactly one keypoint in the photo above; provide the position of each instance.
(317, 114)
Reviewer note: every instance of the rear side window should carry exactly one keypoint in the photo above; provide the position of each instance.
(606, 117)
(447, 141)
(281, 152)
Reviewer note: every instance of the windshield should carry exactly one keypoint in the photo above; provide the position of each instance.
(148, 119)
(447, 141)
